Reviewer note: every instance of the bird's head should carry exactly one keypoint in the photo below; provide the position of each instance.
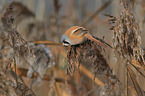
(73, 36)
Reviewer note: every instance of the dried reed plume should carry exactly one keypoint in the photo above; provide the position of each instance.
(89, 53)
(127, 41)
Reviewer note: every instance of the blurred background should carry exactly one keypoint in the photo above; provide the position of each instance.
(49, 19)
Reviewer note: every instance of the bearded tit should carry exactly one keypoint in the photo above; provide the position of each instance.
(77, 35)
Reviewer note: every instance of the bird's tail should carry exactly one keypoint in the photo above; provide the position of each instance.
(95, 40)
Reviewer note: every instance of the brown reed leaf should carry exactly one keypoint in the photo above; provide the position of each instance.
(90, 75)
(44, 42)
(23, 72)
(136, 86)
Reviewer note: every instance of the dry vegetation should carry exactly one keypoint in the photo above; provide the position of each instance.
(32, 65)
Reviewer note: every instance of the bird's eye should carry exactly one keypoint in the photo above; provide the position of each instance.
(65, 42)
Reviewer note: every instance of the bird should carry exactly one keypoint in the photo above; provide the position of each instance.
(77, 35)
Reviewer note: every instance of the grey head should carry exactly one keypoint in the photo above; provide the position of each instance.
(65, 40)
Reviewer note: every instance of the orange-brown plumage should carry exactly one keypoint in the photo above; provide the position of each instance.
(77, 35)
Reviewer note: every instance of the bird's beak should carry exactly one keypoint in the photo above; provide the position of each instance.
(66, 45)
(63, 44)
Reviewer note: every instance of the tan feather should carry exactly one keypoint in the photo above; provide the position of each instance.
(87, 35)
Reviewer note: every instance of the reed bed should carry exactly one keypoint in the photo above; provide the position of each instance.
(34, 63)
